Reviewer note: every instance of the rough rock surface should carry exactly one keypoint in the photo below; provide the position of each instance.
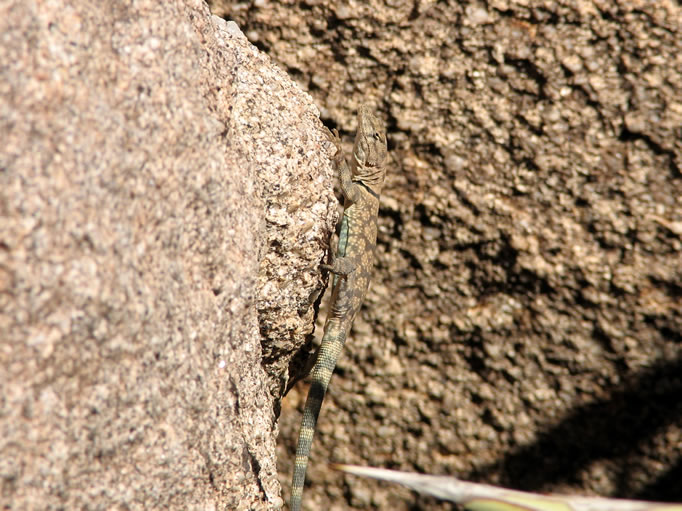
(525, 322)
(150, 159)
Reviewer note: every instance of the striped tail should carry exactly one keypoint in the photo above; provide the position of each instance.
(330, 349)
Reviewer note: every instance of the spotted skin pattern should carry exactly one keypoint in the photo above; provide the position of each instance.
(361, 183)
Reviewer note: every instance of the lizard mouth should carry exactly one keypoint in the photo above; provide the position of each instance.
(365, 164)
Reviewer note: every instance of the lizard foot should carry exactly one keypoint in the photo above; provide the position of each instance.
(334, 138)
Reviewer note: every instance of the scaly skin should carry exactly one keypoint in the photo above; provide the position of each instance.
(361, 184)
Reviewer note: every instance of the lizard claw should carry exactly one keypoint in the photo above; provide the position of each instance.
(334, 138)
(332, 135)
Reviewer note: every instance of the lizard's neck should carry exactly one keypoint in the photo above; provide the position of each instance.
(371, 177)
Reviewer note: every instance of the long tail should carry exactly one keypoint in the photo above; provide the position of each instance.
(330, 349)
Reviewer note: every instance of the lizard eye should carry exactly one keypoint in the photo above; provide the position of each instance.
(377, 136)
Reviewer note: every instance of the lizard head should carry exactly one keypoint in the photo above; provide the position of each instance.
(370, 148)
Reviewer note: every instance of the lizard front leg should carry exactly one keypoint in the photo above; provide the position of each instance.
(351, 191)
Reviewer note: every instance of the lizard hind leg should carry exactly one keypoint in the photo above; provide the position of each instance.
(341, 266)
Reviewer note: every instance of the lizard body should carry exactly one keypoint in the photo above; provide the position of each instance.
(361, 184)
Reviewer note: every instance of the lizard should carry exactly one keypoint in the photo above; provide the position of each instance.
(361, 184)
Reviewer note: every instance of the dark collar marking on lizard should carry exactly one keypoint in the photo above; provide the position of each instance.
(366, 187)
